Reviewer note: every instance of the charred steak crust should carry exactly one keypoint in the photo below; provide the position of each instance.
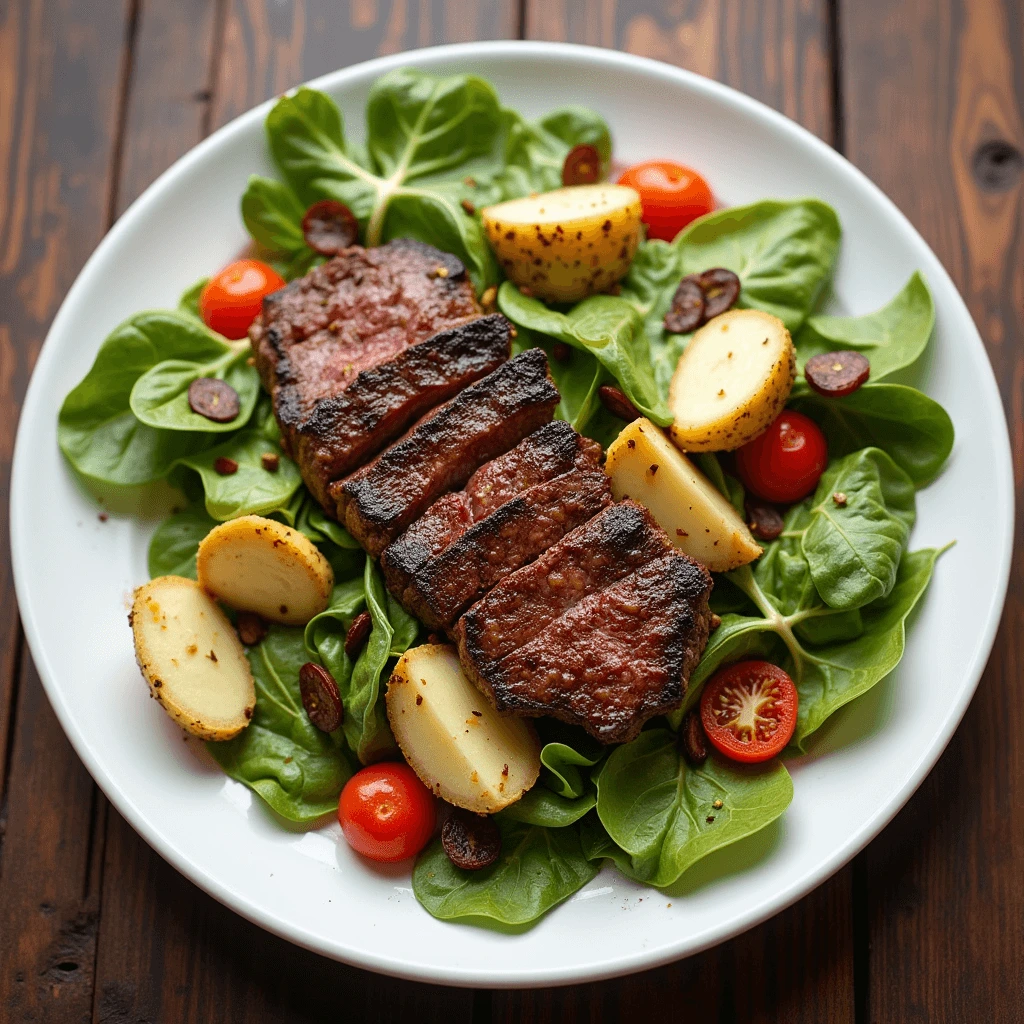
(601, 636)
(545, 454)
(355, 311)
(511, 536)
(346, 430)
(439, 453)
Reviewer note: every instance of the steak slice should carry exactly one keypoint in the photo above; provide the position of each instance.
(512, 535)
(347, 429)
(439, 453)
(359, 309)
(602, 631)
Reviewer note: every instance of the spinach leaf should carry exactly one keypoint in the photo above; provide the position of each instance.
(608, 328)
(252, 490)
(539, 806)
(913, 429)
(273, 214)
(172, 548)
(298, 770)
(188, 304)
(892, 337)
(538, 869)
(565, 751)
(96, 428)
(660, 811)
(726, 485)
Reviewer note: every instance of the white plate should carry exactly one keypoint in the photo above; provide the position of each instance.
(74, 574)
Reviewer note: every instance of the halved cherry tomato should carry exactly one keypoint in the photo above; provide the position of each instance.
(671, 196)
(386, 813)
(233, 297)
(784, 463)
(749, 710)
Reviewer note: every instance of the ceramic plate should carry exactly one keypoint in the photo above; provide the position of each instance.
(74, 574)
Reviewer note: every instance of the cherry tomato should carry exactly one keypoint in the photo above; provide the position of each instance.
(784, 463)
(386, 813)
(233, 297)
(748, 710)
(671, 195)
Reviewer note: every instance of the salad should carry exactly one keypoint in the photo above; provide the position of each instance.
(709, 406)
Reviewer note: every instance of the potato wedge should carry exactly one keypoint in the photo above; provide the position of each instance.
(732, 381)
(259, 565)
(192, 658)
(645, 466)
(567, 244)
(455, 741)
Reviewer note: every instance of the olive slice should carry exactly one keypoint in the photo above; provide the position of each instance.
(835, 374)
(765, 521)
(357, 634)
(214, 399)
(721, 289)
(616, 402)
(582, 165)
(693, 739)
(320, 696)
(687, 312)
(471, 842)
(329, 227)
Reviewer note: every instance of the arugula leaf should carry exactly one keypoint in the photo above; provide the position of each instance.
(605, 326)
(538, 868)
(172, 548)
(913, 429)
(660, 811)
(298, 770)
(892, 337)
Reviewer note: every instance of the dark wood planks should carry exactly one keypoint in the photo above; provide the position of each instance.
(946, 880)
(61, 67)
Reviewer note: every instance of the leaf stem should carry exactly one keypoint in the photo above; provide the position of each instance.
(781, 624)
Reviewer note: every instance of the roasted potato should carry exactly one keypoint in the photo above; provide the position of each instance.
(457, 744)
(260, 565)
(645, 466)
(567, 244)
(732, 381)
(191, 658)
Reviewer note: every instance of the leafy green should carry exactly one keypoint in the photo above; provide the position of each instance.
(188, 304)
(539, 806)
(538, 869)
(298, 770)
(913, 429)
(892, 337)
(608, 328)
(172, 548)
(273, 215)
(661, 811)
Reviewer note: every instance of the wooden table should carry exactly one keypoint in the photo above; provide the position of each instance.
(97, 97)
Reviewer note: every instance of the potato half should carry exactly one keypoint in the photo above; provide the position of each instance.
(260, 565)
(192, 658)
(732, 381)
(645, 466)
(567, 244)
(455, 741)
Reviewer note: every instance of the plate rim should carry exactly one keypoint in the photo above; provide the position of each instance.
(515, 977)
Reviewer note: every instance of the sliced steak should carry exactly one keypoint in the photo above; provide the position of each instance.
(358, 310)
(348, 429)
(602, 631)
(440, 452)
(511, 536)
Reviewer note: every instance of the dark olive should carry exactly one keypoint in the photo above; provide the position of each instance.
(765, 520)
(721, 289)
(213, 398)
(582, 165)
(617, 403)
(835, 374)
(329, 227)
(693, 739)
(471, 842)
(320, 696)
(357, 634)
(687, 312)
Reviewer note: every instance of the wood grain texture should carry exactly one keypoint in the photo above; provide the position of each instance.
(946, 879)
(61, 66)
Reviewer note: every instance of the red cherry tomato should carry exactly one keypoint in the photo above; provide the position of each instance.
(386, 813)
(784, 463)
(671, 195)
(233, 297)
(749, 710)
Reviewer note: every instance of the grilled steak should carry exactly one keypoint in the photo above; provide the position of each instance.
(515, 533)
(346, 430)
(352, 313)
(601, 631)
(440, 452)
